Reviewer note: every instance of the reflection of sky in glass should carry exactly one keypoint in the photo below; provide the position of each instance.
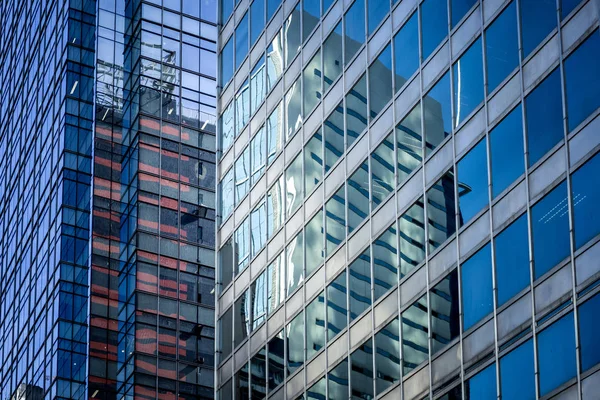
(506, 149)
(468, 82)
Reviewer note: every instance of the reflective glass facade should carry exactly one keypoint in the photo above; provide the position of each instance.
(429, 193)
(107, 181)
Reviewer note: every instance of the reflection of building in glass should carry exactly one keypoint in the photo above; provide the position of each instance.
(409, 187)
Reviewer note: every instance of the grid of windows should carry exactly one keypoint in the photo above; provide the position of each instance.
(446, 144)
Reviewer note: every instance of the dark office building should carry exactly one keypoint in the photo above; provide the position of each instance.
(408, 199)
(107, 199)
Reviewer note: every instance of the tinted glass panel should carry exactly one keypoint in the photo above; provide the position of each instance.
(482, 385)
(409, 139)
(258, 155)
(241, 41)
(242, 245)
(274, 60)
(332, 57)
(272, 6)
(567, 6)
(437, 114)
(556, 346)
(318, 390)
(335, 219)
(274, 132)
(315, 325)
(441, 211)
(227, 127)
(361, 370)
(382, 170)
(354, 29)
(291, 31)
(226, 330)
(275, 283)
(589, 329)
(227, 194)
(585, 187)
(550, 230)
(275, 207)
(445, 318)
(380, 80)
(257, 85)
(387, 356)
(582, 81)
(312, 83)
(543, 111)
(385, 262)
(313, 162)
(333, 129)
(538, 19)
(293, 108)
(257, 19)
(506, 149)
(311, 14)
(472, 182)
(295, 343)
(412, 238)
(293, 185)
(276, 360)
(356, 109)
(406, 51)
(502, 47)
(358, 196)
(240, 388)
(517, 375)
(241, 318)
(512, 260)
(415, 348)
(476, 279)
(468, 82)
(360, 284)
(258, 370)
(227, 62)
(242, 108)
(242, 175)
(226, 9)
(294, 261)
(434, 20)
(337, 310)
(375, 13)
(337, 380)
(313, 235)
(258, 222)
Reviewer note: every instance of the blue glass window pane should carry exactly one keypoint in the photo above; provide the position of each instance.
(468, 82)
(459, 9)
(550, 230)
(295, 343)
(360, 284)
(311, 12)
(385, 262)
(538, 19)
(517, 375)
(226, 9)
(361, 371)
(337, 308)
(589, 330)
(556, 347)
(257, 19)
(241, 41)
(441, 211)
(506, 149)
(585, 187)
(566, 6)
(375, 13)
(502, 47)
(354, 29)
(543, 112)
(335, 220)
(332, 57)
(582, 82)
(272, 7)
(358, 196)
(318, 390)
(434, 23)
(415, 347)
(313, 236)
(356, 109)
(380, 81)
(333, 129)
(227, 62)
(512, 260)
(337, 381)
(382, 170)
(472, 182)
(387, 356)
(483, 385)
(406, 51)
(412, 237)
(326, 5)
(315, 325)
(437, 114)
(476, 278)
(445, 318)
(409, 141)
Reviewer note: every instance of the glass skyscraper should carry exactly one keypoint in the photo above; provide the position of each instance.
(408, 199)
(107, 188)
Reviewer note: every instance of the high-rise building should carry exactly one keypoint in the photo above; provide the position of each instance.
(408, 199)
(107, 188)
